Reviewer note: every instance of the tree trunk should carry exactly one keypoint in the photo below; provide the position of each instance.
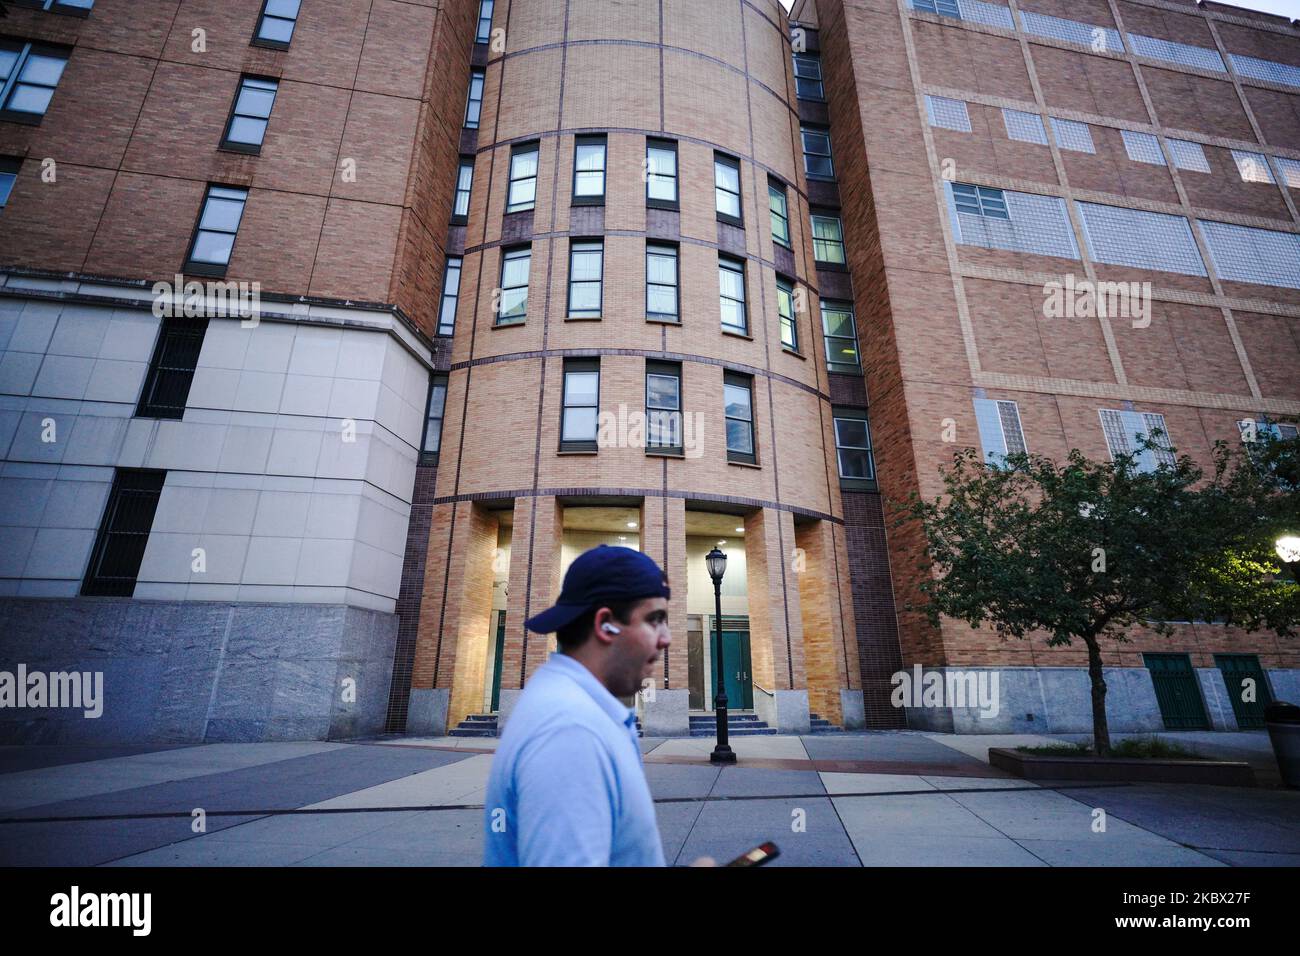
(1100, 729)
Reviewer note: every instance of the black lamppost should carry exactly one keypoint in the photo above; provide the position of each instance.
(722, 753)
(1288, 552)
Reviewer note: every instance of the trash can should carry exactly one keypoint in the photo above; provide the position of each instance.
(1283, 722)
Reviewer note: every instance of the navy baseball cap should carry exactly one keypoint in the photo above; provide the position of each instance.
(602, 576)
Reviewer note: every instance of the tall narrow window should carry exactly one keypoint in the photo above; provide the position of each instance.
(841, 333)
(29, 74)
(250, 114)
(738, 405)
(1000, 430)
(661, 173)
(589, 170)
(515, 264)
(76, 8)
(663, 406)
(464, 182)
(853, 448)
(731, 292)
(432, 443)
(581, 405)
(9, 167)
(828, 239)
(275, 25)
(808, 77)
(785, 309)
(214, 237)
(780, 208)
(523, 178)
(450, 297)
(171, 370)
(484, 31)
(661, 283)
(726, 183)
(123, 533)
(474, 104)
(817, 161)
(586, 278)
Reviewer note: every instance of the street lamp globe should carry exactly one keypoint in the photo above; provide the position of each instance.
(717, 564)
(1288, 548)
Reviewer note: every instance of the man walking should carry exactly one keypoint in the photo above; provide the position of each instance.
(567, 786)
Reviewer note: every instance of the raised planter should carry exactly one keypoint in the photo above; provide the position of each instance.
(1223, 773)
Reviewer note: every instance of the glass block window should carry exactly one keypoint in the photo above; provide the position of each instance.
(1024, 127)
(1290, 169)
(1195, 56)
(731, 294)
(1073, 31)
(513, 302)
(1125, 430)
(1143, 148)
(1073, 136)
(589, 169)
(432, 443)
(123, 533)
(661, 172)
(841, 333)
(1269, 71)
(726, 187)
(828, 239)
(1140, 239)
(1189, 156)
(464, 180)
(1245, 254)
(581, 404)
(214, 238)
(1017, 222)
(853, 445)
(29, 74)
(779, 208)
(586, 279)
(785, 309)
(450, 297)
(947, 114)
(250, 115)
(817, 161)
(989, 14)
(661, 282)
(738, 406)
(663, 406)
(808, 77)
(1253, 167)
(1000, 431)
(946, 8)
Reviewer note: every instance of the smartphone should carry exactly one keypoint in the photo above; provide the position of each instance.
(763, 853)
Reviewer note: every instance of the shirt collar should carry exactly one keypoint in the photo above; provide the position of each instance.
(623, 716)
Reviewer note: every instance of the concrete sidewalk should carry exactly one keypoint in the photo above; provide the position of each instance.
(874, 799)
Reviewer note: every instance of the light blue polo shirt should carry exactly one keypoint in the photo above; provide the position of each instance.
(568, 776)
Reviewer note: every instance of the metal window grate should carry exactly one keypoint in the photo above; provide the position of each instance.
(1094, 37)
(1024, 127)
(1154, 48)
(1143, 148)
(946, 113)
(1188, 155)
(1246, 254)
(123, 533)
(171, 370)
(1074, 136)
(1140, 239)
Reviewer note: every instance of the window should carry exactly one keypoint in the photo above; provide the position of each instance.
(1269, 71)
(1189, 156)
(586, 275)
(1193, 56)
(250, 115)
(738, 406)
(1124, 431)
(171, 370)
(1073, 31)
(1139, 239)
(817, 161)
(663, 406)
(1017, 222)
(432, 442)
(780, 211)
(1290, 169)
(785, 309)
(9, 168)
(450, 296)
(29, 73)
(589, 170)
(726, 188)
(474, 105)
(123, 533)
(731, 291)
(808, 77)
(946, 8)
(661, 173)
(464, 182)
(515, 264)
(1142, 148)
(275, 26)
(980, 201)
(1253, 167)
(828, 239)
(214, 236)
(1000, 431)
(1246, 254)
(1251, 430)
(76, 8)
(1024, 127)
(661, 282)
(853, 448)
(523, 178)
(484, 31)
(1073, 136)
(947, 113)
(578, 421)
(840, 330)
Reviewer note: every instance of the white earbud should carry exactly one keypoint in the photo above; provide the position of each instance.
(610, 628)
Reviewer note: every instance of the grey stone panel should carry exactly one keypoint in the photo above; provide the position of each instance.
(853, 709)
(667, 715)
(1218, 705)
(426, 715)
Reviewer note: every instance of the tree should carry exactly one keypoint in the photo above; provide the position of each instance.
(1086, 550)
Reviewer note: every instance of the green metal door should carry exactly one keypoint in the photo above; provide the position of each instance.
(1177, 691)
(496, 661)
(735, 661)
(1244, 678)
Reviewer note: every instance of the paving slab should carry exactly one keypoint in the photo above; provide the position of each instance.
(462, 782)
(725, 830)
(92, 843)
(1104, 852)
(873, 782)
(779, 747)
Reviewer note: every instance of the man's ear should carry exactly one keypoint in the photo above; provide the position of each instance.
(606, 627)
